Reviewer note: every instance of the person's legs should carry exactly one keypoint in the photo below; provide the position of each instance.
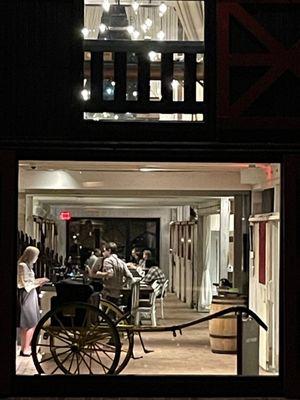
(26, 336)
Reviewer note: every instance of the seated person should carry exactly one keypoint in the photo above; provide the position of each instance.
(92, 258)
(135, 265)
(146, 262)
(154, 274)
(136, 256)
(96, 280)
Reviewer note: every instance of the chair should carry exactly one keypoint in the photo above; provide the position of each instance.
(135, 295)
(161, 297)
(148, 307)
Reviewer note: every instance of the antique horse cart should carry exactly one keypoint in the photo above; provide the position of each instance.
(94, 336)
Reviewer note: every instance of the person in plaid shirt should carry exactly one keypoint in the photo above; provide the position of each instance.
(154, 274)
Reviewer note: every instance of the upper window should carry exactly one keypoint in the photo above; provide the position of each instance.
(143, 60)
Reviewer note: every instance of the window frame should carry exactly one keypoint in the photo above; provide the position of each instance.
(159, 385)
(170, 131)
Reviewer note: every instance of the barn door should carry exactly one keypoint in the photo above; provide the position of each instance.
(264, 285)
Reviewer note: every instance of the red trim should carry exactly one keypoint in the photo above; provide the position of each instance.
(255, 28)
(255, 90)
(277, 57)
(262, 253)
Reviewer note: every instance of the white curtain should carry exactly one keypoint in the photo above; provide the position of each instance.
(205, 292)
(168, 23)
(191, 16)
(92, 20)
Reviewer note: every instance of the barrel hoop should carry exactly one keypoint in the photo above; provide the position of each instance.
(224, 351)
(222, 337)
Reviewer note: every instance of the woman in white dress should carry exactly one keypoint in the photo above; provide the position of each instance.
(29, 313)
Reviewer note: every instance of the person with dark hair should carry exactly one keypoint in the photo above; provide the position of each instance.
(146, 261)
(95, 279)
(114, 272)
(135, 265)
(92, 258)
(136, 256)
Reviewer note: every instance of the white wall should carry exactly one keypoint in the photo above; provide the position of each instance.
(34, 179)
(21, 212)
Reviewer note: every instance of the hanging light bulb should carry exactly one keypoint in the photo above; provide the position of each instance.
(85, 32)
(152, 55)
(161, 35)
(102, 28)
(106, 5)
(135, 35)
(162, 9)
(148, 22)
(174, 84)
(130, 29)
(135, 6)
(85, 94)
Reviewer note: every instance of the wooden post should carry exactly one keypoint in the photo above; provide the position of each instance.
(224, 236)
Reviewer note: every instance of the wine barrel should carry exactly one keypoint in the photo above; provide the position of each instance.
(223, 330)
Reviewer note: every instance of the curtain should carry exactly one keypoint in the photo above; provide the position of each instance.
(191, 16)
(205, 292)
(168, 23)
(92, 20)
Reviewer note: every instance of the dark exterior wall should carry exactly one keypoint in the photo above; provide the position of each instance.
(258, 69)
(41, 118)
(254, 49)
(44, 68)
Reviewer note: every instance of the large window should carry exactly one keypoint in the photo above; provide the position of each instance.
(213, 245)
(143, 60)
(84, 235)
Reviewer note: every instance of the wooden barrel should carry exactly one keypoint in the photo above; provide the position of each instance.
(223, 330)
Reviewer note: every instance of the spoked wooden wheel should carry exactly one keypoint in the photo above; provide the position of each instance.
(76, 338)
(126, 335)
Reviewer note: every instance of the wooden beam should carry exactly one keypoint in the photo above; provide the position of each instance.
(155, 70)
(134, 46)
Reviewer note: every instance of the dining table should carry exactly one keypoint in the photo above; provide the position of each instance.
(127, 292)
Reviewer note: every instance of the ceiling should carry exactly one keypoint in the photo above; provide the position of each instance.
(121, 193)
(96, 166)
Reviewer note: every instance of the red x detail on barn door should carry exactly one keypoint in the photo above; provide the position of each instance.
(277, 59)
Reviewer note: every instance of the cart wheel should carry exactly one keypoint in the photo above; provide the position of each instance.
(126, 335)
(76, 338)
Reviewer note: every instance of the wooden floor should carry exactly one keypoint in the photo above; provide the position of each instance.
(186, 354)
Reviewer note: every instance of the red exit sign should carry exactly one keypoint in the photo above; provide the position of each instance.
(65, 215)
